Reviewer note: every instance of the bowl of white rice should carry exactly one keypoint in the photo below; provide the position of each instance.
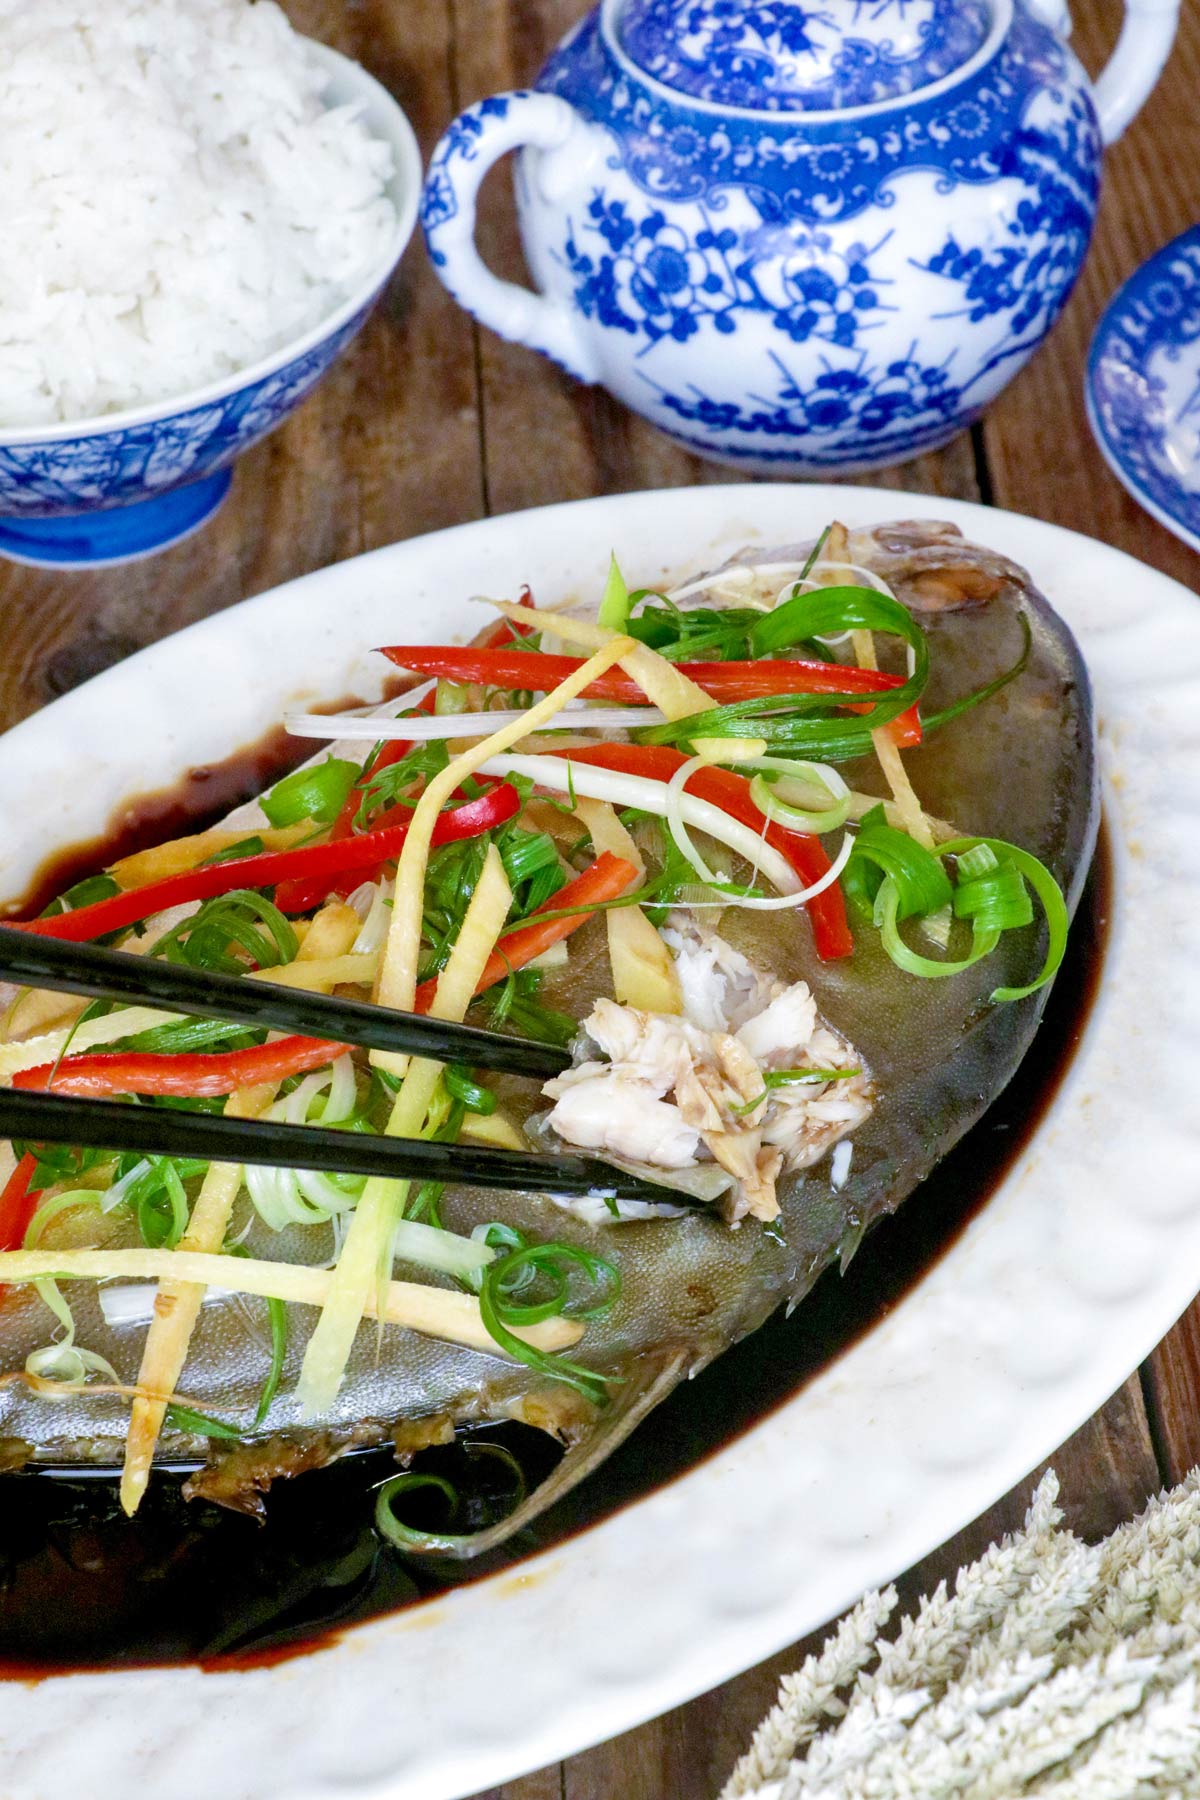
(198, 208)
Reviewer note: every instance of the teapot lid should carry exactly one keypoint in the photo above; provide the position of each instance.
(809, 55)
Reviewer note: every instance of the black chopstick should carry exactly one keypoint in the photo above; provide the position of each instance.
(114, 975)
(33, 1117)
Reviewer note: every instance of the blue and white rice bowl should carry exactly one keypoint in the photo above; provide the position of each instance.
(123, 485)
(1143, 386)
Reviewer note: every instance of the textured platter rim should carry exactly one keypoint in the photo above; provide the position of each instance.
(1099, 377)
(1049, 1300)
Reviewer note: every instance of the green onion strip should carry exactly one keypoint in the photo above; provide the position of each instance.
(777, 1078)
(615, 603)
(890, 878)
(317, 794)
(786, 720)
(803, 796)
(63, 1361)
(415, 1542)
(198, 1424)
(501, 1309)
(1049, 894)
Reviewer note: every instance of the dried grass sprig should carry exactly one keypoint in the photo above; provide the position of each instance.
(811, 1694)
(1055, 1669)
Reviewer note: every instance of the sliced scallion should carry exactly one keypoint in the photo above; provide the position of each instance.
(186, 1035)
(1049, 894)
(777, 1078)
(475, 1097)
(552, 1263)
(513, 1006)
(887, 914)
(792, 793)
(84, 893)
(243, 919)
(278, 1315)
(247, 846)
(198, 1424)
(407, 1537)
(975, 862)
(999, 898)
(416, 1542)
(277, 1312)
(451, 697)
(160, 1205)
(615, 603)
(890, 878)
(317, 794)
(812, 724)
(64, 1202)
(920, 883)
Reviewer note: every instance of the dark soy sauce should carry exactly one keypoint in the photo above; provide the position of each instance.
(202, 797)
(81, 1586)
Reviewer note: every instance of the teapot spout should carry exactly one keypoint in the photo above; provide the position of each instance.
(1136, 63)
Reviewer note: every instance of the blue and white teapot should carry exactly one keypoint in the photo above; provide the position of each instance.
(802, 236)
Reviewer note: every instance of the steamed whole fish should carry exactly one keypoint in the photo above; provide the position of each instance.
(910, 1065)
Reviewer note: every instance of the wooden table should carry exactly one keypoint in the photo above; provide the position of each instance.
(428, 422)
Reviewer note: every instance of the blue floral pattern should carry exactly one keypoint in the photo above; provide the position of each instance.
(51, 478)
(648, 277)
(912, 406)
(1030, 275)
(808, 293)
(830, 169)
(460, 144)
(1144, 385)
(781, 55)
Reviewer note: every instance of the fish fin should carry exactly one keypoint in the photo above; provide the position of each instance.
(650, 1381)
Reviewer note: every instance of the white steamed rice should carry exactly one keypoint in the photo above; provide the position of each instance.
(176, 201)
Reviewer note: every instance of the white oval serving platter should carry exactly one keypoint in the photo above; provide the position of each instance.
(1064, 1282)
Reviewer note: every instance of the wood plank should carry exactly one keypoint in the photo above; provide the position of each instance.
(1171, 1378)
(388, 446)
(544, 1784)
(1152, 195)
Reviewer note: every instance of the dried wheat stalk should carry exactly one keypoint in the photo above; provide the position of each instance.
(1055, 1669)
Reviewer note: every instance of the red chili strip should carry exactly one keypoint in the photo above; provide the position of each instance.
(18, 1203)
(303, 896)
(606, 879)
(189, 1075)
(827, 911)
(727, 682)
(364, 852)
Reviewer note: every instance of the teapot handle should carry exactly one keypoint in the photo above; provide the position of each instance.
(478, 138)
(1136, 63)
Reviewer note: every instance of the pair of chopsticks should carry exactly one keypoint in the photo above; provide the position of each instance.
(98, 974)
